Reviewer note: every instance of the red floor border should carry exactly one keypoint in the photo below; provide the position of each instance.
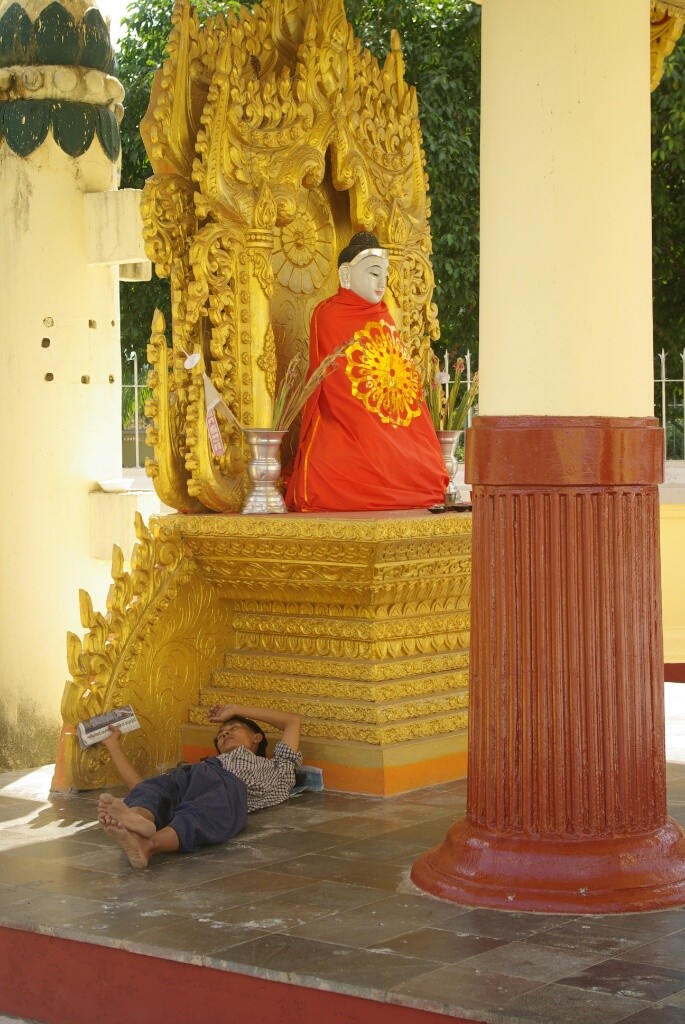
(61, 981)
(674, 672)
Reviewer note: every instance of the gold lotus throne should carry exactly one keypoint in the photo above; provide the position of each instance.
(274, 137)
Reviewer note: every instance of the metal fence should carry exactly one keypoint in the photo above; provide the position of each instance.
(669, 388)
(134, 423)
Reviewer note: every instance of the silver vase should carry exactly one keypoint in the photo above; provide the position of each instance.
(264, 469)
(448, 440)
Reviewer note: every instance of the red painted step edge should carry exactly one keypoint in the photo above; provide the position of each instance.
(61, 981)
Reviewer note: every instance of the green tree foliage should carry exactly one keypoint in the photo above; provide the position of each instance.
(668, 207)
(141, 52)
(668, 245)
(441, 46)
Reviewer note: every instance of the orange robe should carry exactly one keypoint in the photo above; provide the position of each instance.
(366, 442)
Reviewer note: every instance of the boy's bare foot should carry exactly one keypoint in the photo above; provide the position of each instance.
(137, 848)
(112, 812)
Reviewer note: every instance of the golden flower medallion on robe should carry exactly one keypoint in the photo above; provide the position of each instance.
(383, 375)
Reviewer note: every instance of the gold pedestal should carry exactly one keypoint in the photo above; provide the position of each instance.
(358, 622)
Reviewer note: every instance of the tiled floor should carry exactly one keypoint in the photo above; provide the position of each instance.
(316, 892)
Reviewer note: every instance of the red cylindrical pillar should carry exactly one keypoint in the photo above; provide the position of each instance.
(566, 802)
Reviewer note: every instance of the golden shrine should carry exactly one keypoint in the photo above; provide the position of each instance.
(273, 137)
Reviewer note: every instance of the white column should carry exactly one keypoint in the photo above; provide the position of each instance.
(59, 415)
(565, 209)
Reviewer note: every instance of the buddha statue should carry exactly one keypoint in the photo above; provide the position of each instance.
(367, 442)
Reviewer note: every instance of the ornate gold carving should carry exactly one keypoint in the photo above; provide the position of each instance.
(326, 626)
(354, 712)
(267, 362)
(345, 669)
(242, 118)
(667, 23)
(144, 651)
(169, 220)
(374, 562)
(166, 434)
(386, 665)
(393, 528)
(304, 246)
(229, 682)
(382, 616)
(378, 664)
(377, 734)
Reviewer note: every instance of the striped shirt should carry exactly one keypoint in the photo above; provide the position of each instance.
(269, 781)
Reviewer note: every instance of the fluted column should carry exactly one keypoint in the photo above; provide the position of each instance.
(566, 802)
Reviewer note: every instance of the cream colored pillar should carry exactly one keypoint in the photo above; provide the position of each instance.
(565, 211)
(59, 345)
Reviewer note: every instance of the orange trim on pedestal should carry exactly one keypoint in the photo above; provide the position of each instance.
(385, 780)
(391, 780)
(566, 806)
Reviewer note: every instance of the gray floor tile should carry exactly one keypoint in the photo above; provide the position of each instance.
(380, 848)
(622, 978)
(441, 946)
(302, 957)
(315, 865)
(587, 934)
(523, 959)
(455, 987)
(379, 876)
(652, 924)
(677, 999)
(377, 922)
(668, 951)
(500, 924)
(270, 915)
(335, 895)
(563, 1005)
(658, 1015)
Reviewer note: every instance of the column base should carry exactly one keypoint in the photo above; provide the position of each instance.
(567, 876)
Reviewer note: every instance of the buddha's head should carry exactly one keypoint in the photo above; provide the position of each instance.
(363, 267)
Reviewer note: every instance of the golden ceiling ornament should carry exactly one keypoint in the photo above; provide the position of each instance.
(273, 137)
(667, 24)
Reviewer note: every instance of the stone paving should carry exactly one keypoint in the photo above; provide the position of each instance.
(316, 892)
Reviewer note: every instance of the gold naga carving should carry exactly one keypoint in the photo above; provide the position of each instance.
(273, 136)
(667, 23)
(163, 633)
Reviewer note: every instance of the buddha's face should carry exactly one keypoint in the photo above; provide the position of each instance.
(367, 278)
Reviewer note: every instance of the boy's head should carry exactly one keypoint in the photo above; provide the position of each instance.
(238, 731)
